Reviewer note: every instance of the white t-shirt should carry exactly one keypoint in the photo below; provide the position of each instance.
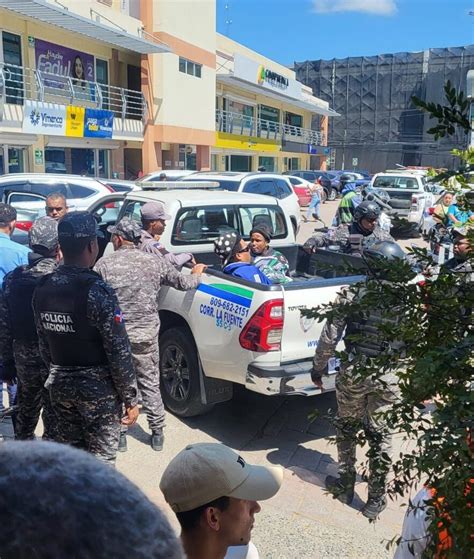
(415, 528)
(242, 552)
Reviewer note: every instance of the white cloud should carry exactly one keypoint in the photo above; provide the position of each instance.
(376, 7)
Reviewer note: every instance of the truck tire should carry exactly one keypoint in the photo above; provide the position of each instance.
(179, 373)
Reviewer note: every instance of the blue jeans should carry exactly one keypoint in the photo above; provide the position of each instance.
(313, 208)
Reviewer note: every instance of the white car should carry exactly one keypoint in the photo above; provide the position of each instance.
(410, 193)
(171, 175)
(26, 193)
(267, 184)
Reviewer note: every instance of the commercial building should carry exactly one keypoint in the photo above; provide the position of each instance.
(124, 87)
(379, 126)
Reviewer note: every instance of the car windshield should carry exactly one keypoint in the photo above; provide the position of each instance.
(392, 181)
(223, 184)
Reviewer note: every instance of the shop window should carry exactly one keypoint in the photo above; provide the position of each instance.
(190, 68)
(11, 45)
(293, 119)
(269, 113)
(16, 160)
(268, 163)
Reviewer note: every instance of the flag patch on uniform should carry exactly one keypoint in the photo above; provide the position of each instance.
(118, 316)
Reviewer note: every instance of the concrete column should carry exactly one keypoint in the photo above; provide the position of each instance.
(152, 155)
(203, 158)
(323, 127)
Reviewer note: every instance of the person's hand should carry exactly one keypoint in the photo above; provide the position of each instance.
(198, 269)
(131, 416)
(193, 260)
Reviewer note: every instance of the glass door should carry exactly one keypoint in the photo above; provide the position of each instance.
(16, 160)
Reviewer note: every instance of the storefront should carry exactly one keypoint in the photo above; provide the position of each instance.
(78, 161)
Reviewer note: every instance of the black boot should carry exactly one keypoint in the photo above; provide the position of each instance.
(122, 447)
(341, 488)
(157, 440)
(374, 506)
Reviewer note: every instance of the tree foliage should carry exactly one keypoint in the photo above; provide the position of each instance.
(434, 320)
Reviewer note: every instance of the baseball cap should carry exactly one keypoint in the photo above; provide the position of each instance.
(77, 225)
(44, 233)
(154, 210)
(7, 214)
(226, 245)
(203, 472)
(126, 228)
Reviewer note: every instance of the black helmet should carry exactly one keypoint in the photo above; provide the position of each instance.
(366, 209)
(385, 249)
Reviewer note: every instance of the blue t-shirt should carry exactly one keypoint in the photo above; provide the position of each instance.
(463, 217)
(11, 255)
(246, 271)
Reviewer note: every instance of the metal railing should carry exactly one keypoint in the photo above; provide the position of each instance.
(243, 125)
(18, 83)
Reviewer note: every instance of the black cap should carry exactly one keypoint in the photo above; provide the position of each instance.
(77, 225)
(7, 214)
(263, 229)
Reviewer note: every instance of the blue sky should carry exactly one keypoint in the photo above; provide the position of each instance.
(298, 30)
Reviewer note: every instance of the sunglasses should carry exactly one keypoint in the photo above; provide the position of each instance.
(246, 249)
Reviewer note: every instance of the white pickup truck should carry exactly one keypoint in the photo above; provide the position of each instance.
(230, 330)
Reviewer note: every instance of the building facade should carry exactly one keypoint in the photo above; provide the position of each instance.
(379, 126)
(117, 88)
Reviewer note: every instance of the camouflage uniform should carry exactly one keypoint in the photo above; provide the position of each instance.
(150, 245)
(23, 354)
(137, 278)
(82, 339)
(360, 402)
(350, 238)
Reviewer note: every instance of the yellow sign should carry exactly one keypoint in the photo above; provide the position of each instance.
(249, 143)
(75, 121)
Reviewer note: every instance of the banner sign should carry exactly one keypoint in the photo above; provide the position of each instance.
(75, 121)
(98, 123)
(44, 118)
(63, 61)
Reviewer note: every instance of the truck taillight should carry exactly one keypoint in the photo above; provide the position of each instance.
(264, 330)
(414, 201)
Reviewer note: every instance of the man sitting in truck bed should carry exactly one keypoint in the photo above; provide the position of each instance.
(235, 255)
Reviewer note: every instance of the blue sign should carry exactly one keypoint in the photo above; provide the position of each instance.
(98, 123)
(318, 150)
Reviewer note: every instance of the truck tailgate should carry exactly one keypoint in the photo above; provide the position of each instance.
(300, 334)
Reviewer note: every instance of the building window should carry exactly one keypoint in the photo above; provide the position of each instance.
(190, 68)
(268, 163)
(293, 119)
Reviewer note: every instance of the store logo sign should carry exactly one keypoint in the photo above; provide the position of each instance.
(44, 118)
(271, 78)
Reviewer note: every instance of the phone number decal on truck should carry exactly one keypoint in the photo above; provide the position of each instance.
(229, 305)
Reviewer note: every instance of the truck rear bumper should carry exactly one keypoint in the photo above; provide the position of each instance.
(286, 380)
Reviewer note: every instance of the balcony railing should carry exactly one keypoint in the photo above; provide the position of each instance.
(18, 83)
(235, 123)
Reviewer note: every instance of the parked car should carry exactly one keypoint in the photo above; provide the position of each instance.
(302, 189)
(118, 185)
(410, 194)
(21, 190)
(268, 184)
(172, 174)
(321, 177)
(359, 178)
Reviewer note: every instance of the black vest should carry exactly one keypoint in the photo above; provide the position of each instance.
(22, 321)
(62, 310)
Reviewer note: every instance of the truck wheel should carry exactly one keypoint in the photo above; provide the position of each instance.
(179, 372)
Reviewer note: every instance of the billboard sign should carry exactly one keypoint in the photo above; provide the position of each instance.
(98, 123)
(44, 118)
(63, 61)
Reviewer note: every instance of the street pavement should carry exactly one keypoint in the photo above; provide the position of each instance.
(302, 520)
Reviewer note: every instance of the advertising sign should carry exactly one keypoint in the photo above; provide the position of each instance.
(63, 61)
(44, 118)
(98, 123)
(75, 121)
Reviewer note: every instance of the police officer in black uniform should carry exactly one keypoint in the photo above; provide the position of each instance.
(82, 339)
(18, 338)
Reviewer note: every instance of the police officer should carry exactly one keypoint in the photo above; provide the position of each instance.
(125, 269)
(82, 339)
(360, 401)
(352, 238)
(462, 248)
(18, 338)
(154, 219)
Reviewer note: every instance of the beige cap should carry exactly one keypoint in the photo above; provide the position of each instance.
(204, 472)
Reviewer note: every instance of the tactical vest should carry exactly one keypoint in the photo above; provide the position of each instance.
(62, 310)
(346, 209)
(369, 336)
(22, 321)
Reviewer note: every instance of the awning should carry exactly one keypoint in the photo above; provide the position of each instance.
(251, 88)
(81, 143)
(18, 138)
(55, 14)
